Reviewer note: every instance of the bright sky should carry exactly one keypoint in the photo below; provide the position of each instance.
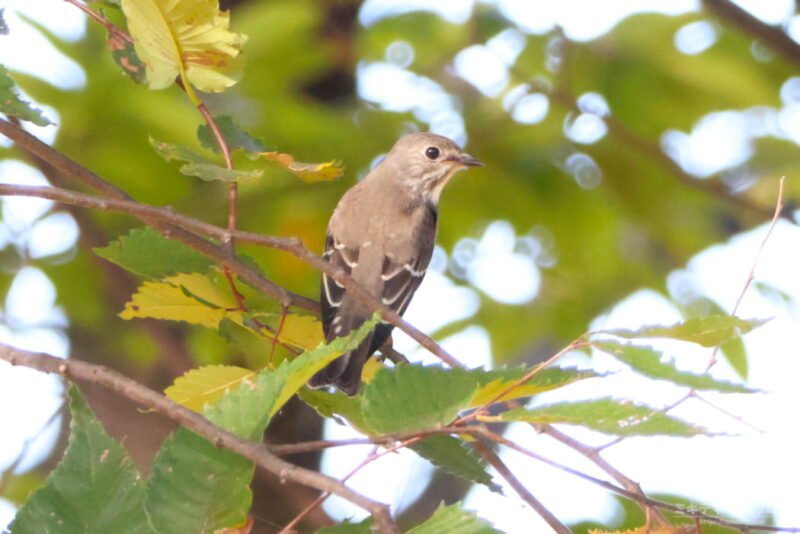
(504, 263)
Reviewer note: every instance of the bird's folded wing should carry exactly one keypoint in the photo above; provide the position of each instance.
(401, 280)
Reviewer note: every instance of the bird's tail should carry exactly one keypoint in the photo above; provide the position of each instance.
(345, 371)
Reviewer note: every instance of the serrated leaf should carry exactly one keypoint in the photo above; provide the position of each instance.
(448, 454)
(337, 404)
(648, 361)
(124, 55)
(95, 489)
(411, 397)
(148, 253)
(234, 137)
(611, 416)
(707, 331)
(197, 165)
(453, 519)
(160, 300)
(302, 368)
(308, 172)
(197, 487)
(13, 106)
(205, 385)
(189, 38)
(496, 381)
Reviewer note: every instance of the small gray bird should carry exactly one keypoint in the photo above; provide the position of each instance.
(382, 234)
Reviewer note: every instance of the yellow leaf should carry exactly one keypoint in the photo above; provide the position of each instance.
(370, 368)
(205, 385)
(189, 38)
(206, 289)
(302, 331)
(491, 390)
(308, 172)
(159, 300)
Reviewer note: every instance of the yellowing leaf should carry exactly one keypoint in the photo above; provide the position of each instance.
(201, 286)
(302, 331)
(205, 385)
(491, 390)
(189, 38)
(308, 172)
(370, 368)
(159, 300)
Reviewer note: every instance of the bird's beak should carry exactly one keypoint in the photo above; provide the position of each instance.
(465, 160)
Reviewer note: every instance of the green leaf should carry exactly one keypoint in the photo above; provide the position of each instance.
(734, 352)
(94, 490)
(611, 416)
(197, 165)
(452, 519)
(337, 404)
(302, 368)
(13, 106)
(364, 527)
(448, 454)
(647, 361)
(148, 253)
(124, 55)
(411, 397)
(494, 382)
(197, 487)
(707, 331)
(234, 137)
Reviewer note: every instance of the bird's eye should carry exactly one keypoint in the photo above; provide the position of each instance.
(431, 152)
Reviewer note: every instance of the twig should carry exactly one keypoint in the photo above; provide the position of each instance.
(751, 275)
(495, 461)
(255, 452)
(102, 20)
(772, 36)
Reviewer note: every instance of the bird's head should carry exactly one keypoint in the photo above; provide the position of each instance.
(425, 162)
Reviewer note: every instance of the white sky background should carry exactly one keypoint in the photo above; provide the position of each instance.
(743, 477)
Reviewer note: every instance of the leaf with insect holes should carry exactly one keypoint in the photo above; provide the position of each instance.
(144, 251)
(607, 415)
(707, 331)
(13, 106)
(95, 487)
(197, 165)
(192, 298)
(647, 361)
(189, 39)
(308, 172)
(234, 137)
(124, 55)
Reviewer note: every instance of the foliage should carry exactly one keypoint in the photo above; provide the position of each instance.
(625, 234)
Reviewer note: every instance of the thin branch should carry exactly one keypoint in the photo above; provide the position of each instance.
(495, 461)
(178, 222)
(255, 452)
(102, 20)
(770, 35)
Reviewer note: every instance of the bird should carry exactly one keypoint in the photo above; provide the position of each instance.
(382, 233)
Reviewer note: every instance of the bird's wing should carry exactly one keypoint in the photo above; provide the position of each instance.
(401, 280)
(332, 292)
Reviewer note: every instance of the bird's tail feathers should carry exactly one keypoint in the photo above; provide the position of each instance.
(345, 371)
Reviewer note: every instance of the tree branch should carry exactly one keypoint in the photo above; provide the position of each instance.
(258, 453)
(184, 228)
(770, 35)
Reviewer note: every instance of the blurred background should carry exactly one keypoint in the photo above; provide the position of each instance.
(632, 151)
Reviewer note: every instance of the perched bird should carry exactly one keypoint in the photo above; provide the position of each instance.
(382, 234)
